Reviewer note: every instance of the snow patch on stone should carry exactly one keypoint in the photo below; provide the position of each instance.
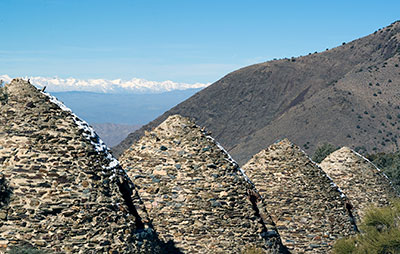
(89, 134)
(230, 159)
(362, 157)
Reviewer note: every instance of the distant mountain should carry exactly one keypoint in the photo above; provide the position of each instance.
(348, 96)
(112, 134)
(132, 109)
(135, 85)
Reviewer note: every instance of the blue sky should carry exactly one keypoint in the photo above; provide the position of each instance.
(183, 41)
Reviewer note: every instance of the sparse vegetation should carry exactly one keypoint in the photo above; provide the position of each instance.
(380, 233)
(360, 149)
(389, 163)
(323, 151)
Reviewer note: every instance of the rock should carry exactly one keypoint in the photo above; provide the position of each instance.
(160, 172)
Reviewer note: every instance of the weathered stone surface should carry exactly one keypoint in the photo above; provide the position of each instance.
(67, 192)
(306, 206)
(196, 194)
(362, 182)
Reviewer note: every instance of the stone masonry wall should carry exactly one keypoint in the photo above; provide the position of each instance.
(362, 182)
(62, 191)
(65, 188)
(195, 193)
(308, 209)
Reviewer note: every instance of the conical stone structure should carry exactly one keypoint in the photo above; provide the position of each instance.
(362, 182)
(60, 189)
(195, 194)
(307, 207)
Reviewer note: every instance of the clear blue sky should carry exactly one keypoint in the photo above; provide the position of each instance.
(183, 41)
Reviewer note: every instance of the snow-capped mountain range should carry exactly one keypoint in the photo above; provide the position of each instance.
(135, 85)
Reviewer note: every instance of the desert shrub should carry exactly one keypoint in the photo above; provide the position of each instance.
(323, 151)
(344, 246)
(360, 149)
(380, 233)
(389, 163)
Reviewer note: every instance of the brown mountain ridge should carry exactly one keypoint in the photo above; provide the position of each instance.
(348, 96)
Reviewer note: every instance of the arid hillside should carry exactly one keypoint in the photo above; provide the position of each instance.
(348, 95)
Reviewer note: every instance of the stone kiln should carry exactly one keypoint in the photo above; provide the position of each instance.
(362, 182)
(62, 191)
(196, 194)
(307, 207)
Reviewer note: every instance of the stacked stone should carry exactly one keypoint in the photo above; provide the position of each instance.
(196, 194)
(362, 182)
(68, 195)
(308, 209)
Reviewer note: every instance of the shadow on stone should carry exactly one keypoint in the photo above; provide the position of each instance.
(5, 191)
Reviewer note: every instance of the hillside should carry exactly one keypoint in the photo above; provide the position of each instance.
(346, 96)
